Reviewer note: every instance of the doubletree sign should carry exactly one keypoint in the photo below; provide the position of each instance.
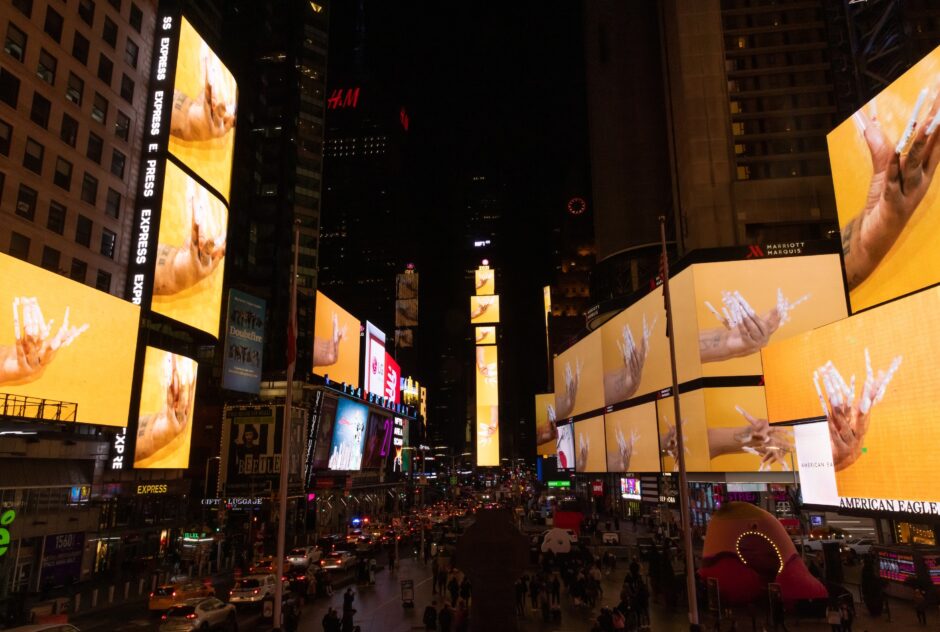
(5, 520)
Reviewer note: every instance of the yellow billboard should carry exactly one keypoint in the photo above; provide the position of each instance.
(64, 341)
(883, 162)
(167, 400)
(205, 100)
(873, 377)
(187, 282)
(335, 342)
(578, 370)
(545, 433)
(590, 453)
(632, 439)
(487, 436)
(487, 375)
(484, 309)
(740, 438)
(485, 281)
(741, 306)
(485, 335)
(694, 433)
(635, 350)
(487, 403)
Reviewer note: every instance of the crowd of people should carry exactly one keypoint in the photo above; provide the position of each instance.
(454, 590)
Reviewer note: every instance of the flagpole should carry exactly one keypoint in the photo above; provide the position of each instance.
(286, 434)
(680, 443)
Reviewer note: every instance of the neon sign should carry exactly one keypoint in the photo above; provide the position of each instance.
(342, 98)
(6, 520)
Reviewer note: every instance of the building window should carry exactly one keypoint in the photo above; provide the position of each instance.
(75, 89)
(131, 52)
(105, 69)
(19, 246)
(122, 126)
(99, 108)
(116, 4)
(69, 131)
(86, 11)
(109, 32)
(26, 6)
(63, 173)
(26, 202)
(6, 135)
(103, 282)
(39, 113)
(80, 48)
(45, 69)
(95, 146)
(90, 189)
(136, 18)
(50, 258)
(112, 206)
(32, 156)
(118, 161)
(127, 88)
(15, 45)
(79, 270)
(9, 88)
(3, 179)
(83, 231)
(108, 239)
(56, 220)
(53, 25)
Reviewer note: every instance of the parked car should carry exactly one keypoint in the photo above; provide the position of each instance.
(338, 560)
(303, 556)
(252, 589)
(167, 595)
(199, 614)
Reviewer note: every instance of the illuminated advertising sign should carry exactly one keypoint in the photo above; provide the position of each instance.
(545, 434)
(119, 448)
(392, 380)
(406, 312)
(378, 442)
(578, 384)
(632, 439)
(484, 309)
(559, 484)
(630, 489)
(254, 442)
(182, 222)
(485, 281)
(873, 377)
(335, 342)
(343, 98)
(349, 432)
(324, 436)
(165, 421)
(740, 439)
(564, 447)
(64, 341)
(61, 559)
(373, 372)
(635, 350)
(888, 238)
(485, 335)
(244, 343)
(590, 449)
(487, 399)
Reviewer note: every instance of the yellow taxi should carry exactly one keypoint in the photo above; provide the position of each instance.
(167, 595)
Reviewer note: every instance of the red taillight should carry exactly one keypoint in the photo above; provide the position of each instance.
(151, 594)
(163, 618)
(191, 615)
(231, 592)
(255, 591)
(174, 594)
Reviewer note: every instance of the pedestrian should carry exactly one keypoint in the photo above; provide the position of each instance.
(465, 589)
(461, 618)
(434, 568)
(347, 624)
(520, 597)
(441, 580)
(430, 616)
(391, 560)
(534, 588)
(617, 524)
(331, 621)
(556, 589)
(453, 587)
(920, 605)
(445, 618)
(348, 598)
(371, 571)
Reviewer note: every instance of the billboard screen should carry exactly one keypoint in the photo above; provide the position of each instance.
(244, 343)
(205, 99)
(187, 279)
(324, 430)
(636, 351)
(545, 434)
(484, 309)
(694, 432)
(485, 335)
(392, 379)
(630, 489)
(378, 442)
(487, 403)
(349, 432)
(373, 370)
(874, 378)
(889, 231)
(406, 285)
(564, 447)
(740, 439)
(167, 400)
(590, 450)
(406, 312)
(485, 281)
(255, 442)
(632, 439)
(579, 387)
(335, 342)
(62, 340)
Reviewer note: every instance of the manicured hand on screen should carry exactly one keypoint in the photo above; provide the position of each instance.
(212, 113)
(564, 400)
(849, 417)
(744, 331)
(626, 447)
(621, 383)
(35, 345)
(181, 267)
(326, 350)
(483, 304)
(901, 174)
(179, 385)
(550, 432)
(487, 431)
(670, 443)
(488, 371)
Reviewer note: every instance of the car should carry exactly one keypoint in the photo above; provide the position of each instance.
(338, 560)
(303, 556)
(300, 580)
(45, 627)
(252, 589)
(199, 614)
(167, 595)
(855, 548)
(328, 544)
(264, 565)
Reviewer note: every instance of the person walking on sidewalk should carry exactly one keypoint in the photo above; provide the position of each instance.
(920, 605)
(465, 589)
(430, 616)
(445, 618)
(348, 598)
(453, 587)
(556, 589)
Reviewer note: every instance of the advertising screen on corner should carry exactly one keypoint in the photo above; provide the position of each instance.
(167, 401)
(82, 341)
(335, 342)
(349, 433)
(373, 371)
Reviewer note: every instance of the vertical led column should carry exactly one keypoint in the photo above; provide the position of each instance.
(484, 316)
